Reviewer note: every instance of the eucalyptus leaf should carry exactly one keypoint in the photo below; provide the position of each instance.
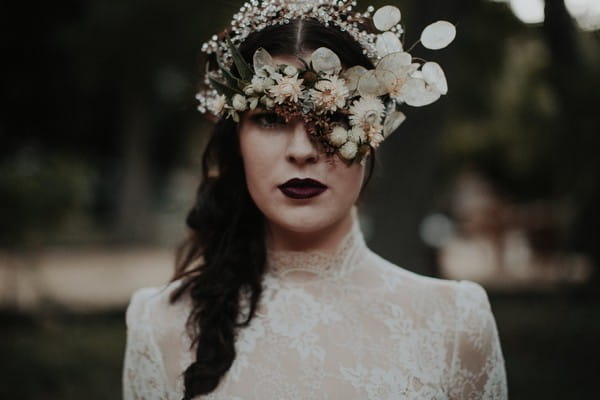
(387, 43)
(386, 17)
(261, 59)
(231, 79)
(395, 61)
(376, 83)
(352, 76)
(438, 35)
(325, 60)
(242, 66)
(223, 88)
(434, 75)
(417, 93)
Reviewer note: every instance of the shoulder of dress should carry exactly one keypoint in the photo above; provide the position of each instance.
(145, 302)
(411, 278)
(471, 294)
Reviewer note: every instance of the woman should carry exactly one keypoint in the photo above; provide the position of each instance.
(276, 295)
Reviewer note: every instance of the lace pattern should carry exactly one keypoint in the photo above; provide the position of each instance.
(293, 264)
(144, 374)
(350, 326)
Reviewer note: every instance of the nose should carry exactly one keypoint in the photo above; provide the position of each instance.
(300, 149)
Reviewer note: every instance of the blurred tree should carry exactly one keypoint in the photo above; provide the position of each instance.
(537, 138)
(409, 161)
(121, 78)
(110, 86)
(575, 75)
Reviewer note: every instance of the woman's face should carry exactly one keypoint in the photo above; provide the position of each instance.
(296, 186)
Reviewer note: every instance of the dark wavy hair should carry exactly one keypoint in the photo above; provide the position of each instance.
(222, 262)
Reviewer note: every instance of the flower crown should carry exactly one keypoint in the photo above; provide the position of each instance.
(369, 100)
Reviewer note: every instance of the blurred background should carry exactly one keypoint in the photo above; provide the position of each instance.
(498, 182)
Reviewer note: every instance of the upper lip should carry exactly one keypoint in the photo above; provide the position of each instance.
(306, 182)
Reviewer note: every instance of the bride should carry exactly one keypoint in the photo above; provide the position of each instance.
(275, 294)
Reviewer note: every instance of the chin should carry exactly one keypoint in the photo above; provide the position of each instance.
(305, 219)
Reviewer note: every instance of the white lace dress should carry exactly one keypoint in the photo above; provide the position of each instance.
(344, 326)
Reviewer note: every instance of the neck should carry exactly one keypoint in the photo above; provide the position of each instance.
(326, 240)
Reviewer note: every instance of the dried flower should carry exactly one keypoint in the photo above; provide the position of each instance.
(329, 94)
(375, 139)
(338, 136)
(267, 101)
(239, 102)
(287, 88)
(217, 104)
(253, 102)
(357, 135)
(290, 70)
(366, 111)
(348, 150)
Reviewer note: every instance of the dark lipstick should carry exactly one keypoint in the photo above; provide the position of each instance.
(302, 188)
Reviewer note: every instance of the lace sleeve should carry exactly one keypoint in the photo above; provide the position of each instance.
(143, 371)
(477, 370)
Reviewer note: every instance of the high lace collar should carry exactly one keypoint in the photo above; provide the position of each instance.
(294, 265)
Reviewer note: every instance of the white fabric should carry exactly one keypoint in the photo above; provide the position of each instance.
(344, 326)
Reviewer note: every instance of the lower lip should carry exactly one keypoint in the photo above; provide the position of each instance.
(296, 192)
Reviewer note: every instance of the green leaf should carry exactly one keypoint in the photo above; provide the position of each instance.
(231, 79)
(242, 66)
(223, 88)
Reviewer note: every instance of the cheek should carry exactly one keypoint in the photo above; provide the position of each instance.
(354, 186)
(259, 161)
(349, 181)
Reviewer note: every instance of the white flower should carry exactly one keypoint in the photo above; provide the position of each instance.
(329, 94)
(338, 136)
(249, 90)
(366, 111)
(290, 70)
(287, 88)
(267, 101)
(357, 134)
(348, 150)
(253, 102)
(216, 104)
(260, 84)
(266, 71)
(233, 115)
(257, 84)
(375, 139)
(239, 102)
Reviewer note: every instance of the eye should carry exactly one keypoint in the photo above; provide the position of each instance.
(268, 120)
